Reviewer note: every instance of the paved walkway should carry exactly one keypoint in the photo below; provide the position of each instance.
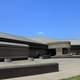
(68, 67)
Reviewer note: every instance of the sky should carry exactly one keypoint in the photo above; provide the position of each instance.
(52, 18)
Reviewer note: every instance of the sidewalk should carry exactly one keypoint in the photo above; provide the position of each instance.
(68, 67)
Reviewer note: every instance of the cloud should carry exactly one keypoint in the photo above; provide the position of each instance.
(40, 33)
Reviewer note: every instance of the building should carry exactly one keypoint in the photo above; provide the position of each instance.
(32, 48)
(12, 46)
(59, 47)
(75, 47)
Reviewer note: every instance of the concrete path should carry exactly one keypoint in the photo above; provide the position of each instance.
(68, 67)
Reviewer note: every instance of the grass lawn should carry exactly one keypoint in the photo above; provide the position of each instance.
(73, 78)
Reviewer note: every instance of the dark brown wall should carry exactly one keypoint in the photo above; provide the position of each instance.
(13, 52)
(33, 48)
(36, 52)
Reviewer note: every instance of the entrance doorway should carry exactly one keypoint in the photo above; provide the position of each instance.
(52, 52)
(64, 51)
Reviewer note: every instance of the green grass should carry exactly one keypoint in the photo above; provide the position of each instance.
(73, 78)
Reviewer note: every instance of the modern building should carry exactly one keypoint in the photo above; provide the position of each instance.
(59, 47)
(17, 46)
(21, 47)
(75, 47)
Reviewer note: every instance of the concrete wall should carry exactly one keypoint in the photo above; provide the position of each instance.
(59, 46)
(58, 51)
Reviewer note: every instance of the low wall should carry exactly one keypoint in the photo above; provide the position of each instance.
(18, 71)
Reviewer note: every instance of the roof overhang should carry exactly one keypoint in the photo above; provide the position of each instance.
(59, 44)
(13, 44)
(18, 38)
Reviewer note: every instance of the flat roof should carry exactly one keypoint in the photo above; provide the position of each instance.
(40, 39)
(75, 42)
